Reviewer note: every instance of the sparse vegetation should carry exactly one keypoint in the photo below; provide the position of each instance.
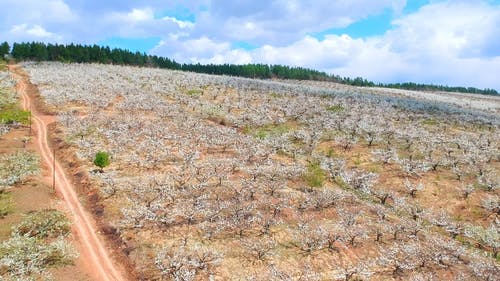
(15, 167)
(314, 175)
(335, 108)
(29, 252)
(44, 224)
(5, 204)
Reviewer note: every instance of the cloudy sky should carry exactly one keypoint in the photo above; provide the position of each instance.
(454, 42)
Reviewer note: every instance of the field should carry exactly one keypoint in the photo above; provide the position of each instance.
(223, 178)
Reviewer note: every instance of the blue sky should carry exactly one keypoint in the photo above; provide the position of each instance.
(454, 42)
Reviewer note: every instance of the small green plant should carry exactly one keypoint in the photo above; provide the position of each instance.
(335, 108)
(101, 160)
(314, 175)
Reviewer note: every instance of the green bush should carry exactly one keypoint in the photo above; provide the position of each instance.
(101, 160)
(314, 175)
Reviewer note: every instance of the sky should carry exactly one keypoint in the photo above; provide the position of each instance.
(449, 42)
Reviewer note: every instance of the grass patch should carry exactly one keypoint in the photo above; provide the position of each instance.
(335, 108)
(268, 130)
(331, 153)
(357, 160)
(275, 95)
(314, 175)
(14, 115)
(329, 135)
(9, 109)
(215, 115)
(374, 168)
(194, 92)
(6, 204)
(429, 122)
(480, 186)
(341, 183)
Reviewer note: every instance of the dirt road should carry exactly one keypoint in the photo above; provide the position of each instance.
(96, 257)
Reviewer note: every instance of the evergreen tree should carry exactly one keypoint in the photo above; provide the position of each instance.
(4, 49)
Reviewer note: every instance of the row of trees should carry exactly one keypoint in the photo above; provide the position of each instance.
(87, 54)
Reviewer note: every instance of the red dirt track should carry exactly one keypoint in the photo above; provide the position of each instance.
(93, 252)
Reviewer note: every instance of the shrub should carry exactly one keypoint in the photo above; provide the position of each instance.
(25, 258)
(101, 160)
(15, 167)
(44, 224)
(35, 245)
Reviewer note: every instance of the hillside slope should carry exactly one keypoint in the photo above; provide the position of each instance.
(241, 179)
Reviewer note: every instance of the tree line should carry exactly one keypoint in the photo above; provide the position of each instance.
(98, 54)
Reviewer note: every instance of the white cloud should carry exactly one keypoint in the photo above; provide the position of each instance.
(136, 15)
(136, 23)
(449, 42)
(193, 50)
(28, 20)
(280, 22)
(36, 12)
(141, 14)
(33, 32)
(180, 23)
